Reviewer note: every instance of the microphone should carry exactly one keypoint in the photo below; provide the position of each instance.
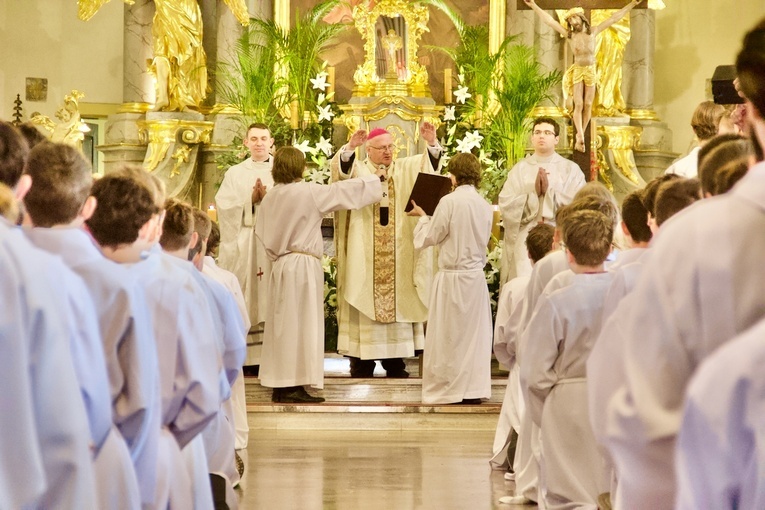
(384, 203)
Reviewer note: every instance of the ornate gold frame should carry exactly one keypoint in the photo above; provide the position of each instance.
(367, 82)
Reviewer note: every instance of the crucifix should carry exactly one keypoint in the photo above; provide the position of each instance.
(580, 79)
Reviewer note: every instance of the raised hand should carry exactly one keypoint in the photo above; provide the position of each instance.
(428, 132)
(357, 139)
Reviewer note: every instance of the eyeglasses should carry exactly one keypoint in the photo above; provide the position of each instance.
(384, 148)
(546, 132)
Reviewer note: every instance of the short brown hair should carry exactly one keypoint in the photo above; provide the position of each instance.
(13, 154)
(124, 206)
(635, 217)
(465, 168)
(289, 164)
(588, 203)
(257, 125)
(729, 174)
(547, 120)
(750, 67)
(61, 182)
(202, 226)
(539, 241)
(153, 183)
(31, 134)
(178, 226)
(706, 119)
(725, 152)
(588, 236)
(214, 240)
(674, 196)
(650, 190)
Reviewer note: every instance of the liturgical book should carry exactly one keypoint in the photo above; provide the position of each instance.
(428, 190)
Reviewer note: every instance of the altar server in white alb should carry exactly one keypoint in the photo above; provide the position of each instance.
(534, 190)
(383, 283)
(507, 330)
(559, 338)
(127, 225)
(683, 308)
(457, 362)
(57, 470)
(238, 203)
(229, 280)
(290, 229)
(184, 232)
(720, 452)
(58, 205)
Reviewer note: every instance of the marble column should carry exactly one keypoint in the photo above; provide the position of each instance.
(138, 84)
(638, 82)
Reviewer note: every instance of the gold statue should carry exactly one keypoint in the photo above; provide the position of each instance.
(609, 55)
(68, 130)
(179, 64)
(581, 77)
(391, 43)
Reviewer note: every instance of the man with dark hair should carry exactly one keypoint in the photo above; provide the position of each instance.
(534, 190)
(674, 196)
(730, 153)
(648, 196)
(635, 229)
(687, 304)
(58, 204)
(238, 203)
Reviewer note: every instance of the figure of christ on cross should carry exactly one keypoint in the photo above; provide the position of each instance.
(581, 75)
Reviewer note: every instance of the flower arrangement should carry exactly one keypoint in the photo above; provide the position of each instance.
(329, 266)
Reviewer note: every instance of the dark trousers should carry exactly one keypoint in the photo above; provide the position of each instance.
(366, 367)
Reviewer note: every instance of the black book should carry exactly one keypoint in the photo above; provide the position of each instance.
(428, 190)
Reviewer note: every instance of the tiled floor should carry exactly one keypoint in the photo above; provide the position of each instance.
(371, 470)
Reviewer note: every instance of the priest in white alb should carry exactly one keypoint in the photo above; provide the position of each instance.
(383, 282)
(534, 190)
(238, 204)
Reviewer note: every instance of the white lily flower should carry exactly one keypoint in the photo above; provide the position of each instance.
(464, 145)
(305, 147)
(449, 113)
(322, 97)
(474, 139)
(325, 112)
(320, 82)
(461, 95)
(324, 145)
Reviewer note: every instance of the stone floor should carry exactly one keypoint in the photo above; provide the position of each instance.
(370, 470)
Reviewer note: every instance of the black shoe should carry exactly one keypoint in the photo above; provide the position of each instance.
(471, 401)
(397, 374)
(299, 396)
(361, 374)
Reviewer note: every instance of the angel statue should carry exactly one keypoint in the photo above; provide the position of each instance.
(179, 63)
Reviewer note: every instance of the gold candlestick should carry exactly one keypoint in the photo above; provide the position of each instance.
(448, 85)
(294, 115)
(330, 80)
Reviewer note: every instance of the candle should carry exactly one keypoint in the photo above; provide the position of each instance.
(294, 115)
(330, 81)
(448, 85)
(495, 231)
(212, 213)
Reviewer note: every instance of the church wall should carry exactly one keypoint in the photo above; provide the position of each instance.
(45, 39)
(692, 38)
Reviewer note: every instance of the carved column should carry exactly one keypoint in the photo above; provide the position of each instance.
(137, 83)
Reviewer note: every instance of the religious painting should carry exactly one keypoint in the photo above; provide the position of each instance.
(347, 54)
(37, 89)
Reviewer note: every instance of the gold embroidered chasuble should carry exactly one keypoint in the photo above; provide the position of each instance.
(380, 274)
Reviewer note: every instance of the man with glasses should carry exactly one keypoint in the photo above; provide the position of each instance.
(383, 283)
(534, 190)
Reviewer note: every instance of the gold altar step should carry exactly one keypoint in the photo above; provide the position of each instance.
(377, 403)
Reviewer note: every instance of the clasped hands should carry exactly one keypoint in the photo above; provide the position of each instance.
(541, 183)
(258, 192)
